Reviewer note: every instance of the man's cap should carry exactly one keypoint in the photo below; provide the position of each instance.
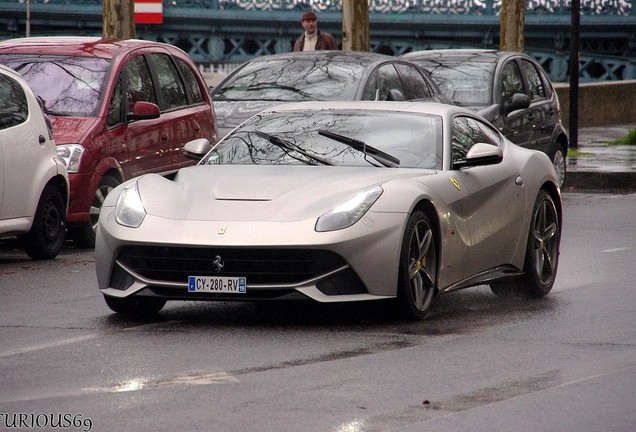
(308, 16)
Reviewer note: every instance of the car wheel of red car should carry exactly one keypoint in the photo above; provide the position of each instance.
(84, 234)
(48, 231)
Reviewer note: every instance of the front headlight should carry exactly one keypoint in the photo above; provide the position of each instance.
(349, 212)
(129, 210)
(71, 154)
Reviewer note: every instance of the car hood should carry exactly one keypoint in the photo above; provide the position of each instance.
(260, 193)
(71, 130)
(230, 114)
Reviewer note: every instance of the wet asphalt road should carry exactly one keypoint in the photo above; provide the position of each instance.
(566, 362)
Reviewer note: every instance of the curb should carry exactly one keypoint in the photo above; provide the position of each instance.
(600, 181)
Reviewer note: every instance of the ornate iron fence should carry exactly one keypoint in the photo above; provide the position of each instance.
(444, 7)
(216, 32)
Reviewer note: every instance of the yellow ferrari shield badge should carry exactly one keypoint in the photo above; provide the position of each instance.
(456, 183)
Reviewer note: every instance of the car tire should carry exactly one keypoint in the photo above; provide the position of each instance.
(138, 307)
(417, 280)
(542, 254)
(48, 232)
(84, 234)
(559, 163)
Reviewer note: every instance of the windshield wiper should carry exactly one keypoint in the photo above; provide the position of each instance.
(384, 158)
(57, 113)
(262, 86)
(288, 146)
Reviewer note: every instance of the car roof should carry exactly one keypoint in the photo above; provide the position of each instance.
(76, 46)
(460, 55)
(333, 55)
(435, 108)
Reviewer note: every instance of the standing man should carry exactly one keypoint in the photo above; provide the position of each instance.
(313, 39)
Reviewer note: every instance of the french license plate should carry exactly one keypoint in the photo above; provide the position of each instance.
(218, 284)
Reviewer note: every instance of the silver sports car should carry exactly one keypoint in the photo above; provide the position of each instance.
(337, 202)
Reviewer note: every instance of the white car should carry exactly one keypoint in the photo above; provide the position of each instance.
(34, 189)
(337, 202)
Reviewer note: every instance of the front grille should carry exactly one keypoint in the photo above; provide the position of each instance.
(259, 266)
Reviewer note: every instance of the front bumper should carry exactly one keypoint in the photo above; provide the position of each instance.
(279, 259)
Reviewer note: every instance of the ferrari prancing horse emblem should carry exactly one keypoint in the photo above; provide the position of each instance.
(218, 263)
(221, 231)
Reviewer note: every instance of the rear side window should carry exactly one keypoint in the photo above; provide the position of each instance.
(14, 108)
(173, 93)
(191, 82)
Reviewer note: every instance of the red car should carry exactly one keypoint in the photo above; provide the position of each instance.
(120, 108)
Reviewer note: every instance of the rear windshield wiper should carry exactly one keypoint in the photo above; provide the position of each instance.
(288, 146)
(384, 158)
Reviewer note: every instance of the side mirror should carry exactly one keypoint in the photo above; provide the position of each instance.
(481, 154)
(144, 111)
(197, 148)
(517, 101)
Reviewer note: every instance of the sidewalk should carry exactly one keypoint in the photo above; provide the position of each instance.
(600, 166)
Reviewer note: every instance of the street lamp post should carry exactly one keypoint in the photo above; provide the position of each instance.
(28, 18)
(574, 74)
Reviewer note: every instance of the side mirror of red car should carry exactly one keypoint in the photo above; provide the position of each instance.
(144, 111)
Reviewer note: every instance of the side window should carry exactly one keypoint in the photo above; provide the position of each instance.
(388, 80)
(511, 81)
(414, 82)
(466, 132)
(488, 134)
(114, 114)
(173, 93)
(535, 85)
(190, 81)
(370, 91)
(14, 108)
(138, 83)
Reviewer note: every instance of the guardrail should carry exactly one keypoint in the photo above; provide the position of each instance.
(600, 103)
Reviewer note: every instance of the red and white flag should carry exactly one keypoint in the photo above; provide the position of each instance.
(148, 12)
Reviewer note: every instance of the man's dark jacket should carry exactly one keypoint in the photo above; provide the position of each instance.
(325, 42)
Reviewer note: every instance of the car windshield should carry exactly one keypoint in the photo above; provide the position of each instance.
(466, 84)
(312, 137)
(68, 86)
(293, 81)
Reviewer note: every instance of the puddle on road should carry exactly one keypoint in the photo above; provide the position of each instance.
(188, 379)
